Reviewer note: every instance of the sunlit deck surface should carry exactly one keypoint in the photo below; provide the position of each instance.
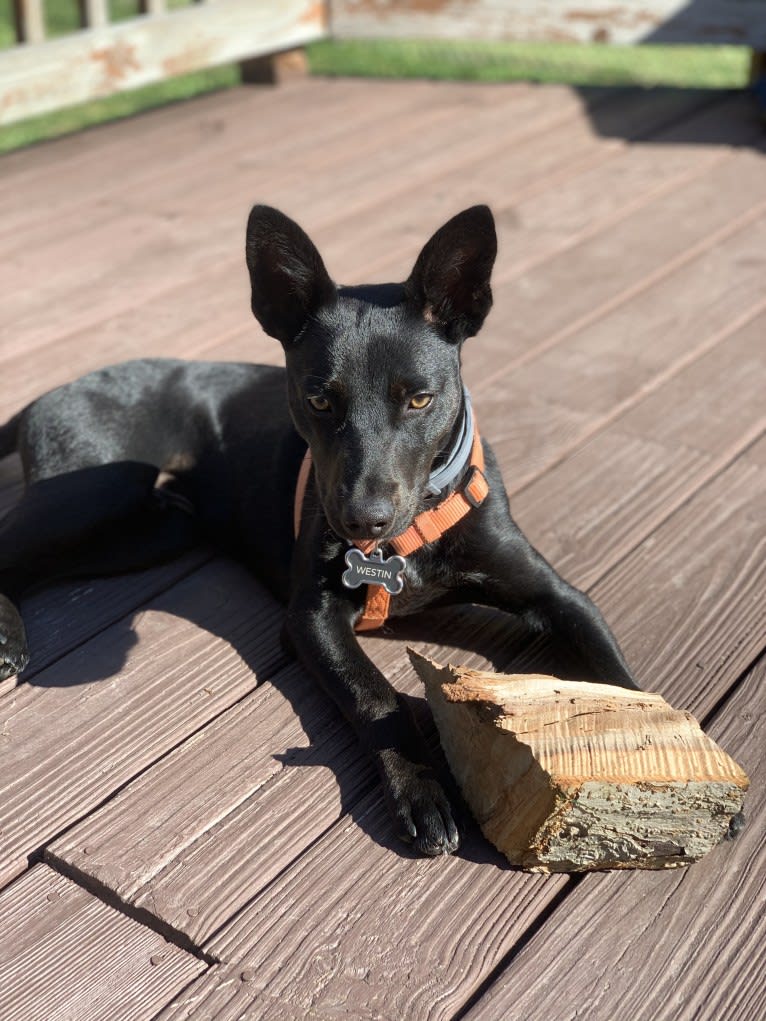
(187, 828)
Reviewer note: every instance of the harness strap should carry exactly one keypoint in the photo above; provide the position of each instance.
(426, 527)
(376, 609)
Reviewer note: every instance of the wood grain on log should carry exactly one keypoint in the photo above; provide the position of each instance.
(566, 776)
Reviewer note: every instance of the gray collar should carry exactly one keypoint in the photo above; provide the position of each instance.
(457, 459)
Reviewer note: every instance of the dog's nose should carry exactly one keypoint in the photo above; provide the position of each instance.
(368, 520)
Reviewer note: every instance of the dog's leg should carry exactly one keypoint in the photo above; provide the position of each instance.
(320, 632)
(100, 520)
(520, 581)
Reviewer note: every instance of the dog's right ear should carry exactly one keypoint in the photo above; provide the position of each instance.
(449, 285)
(287, 276)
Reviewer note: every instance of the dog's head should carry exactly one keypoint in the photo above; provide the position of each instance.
(373, 371)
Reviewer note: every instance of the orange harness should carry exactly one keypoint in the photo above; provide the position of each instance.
(426, 527)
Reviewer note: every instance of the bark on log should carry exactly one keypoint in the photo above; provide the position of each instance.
(565, 776)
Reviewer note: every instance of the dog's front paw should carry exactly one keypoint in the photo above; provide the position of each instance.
(421, 812)
(14, 654)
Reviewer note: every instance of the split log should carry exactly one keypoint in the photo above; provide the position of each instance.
(565, 776)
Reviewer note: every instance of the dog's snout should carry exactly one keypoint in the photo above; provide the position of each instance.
(368, 520)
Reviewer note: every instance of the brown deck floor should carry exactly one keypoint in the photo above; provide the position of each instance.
(186, 825)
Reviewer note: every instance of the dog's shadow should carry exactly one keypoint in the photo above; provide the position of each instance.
(463, 633)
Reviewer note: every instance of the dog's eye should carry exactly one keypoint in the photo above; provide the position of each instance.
(420, 401)
(319, 403)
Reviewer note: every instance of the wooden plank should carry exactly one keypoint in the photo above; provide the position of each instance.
(741, 22)
(67, 955)
(248, 131)
(137, 331)
(706, 929)
(580, 286)
(544, 219)
(96, 718)
(113, 286)
(554, 166)
(341, 963)
(621, 484)
(184, 120)
(756, 453)
(242, 818)
(101, 61)
(60, 618)
(158, 251)
(712, 582)
(721, 423)
(304, 151)
(240, 785)
(96, 13)
(569, 390)
(31, 25)
(175, 323)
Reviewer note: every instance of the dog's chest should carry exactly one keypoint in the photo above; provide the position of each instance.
(427, 578)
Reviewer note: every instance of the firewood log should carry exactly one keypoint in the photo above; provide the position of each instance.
(565, 776)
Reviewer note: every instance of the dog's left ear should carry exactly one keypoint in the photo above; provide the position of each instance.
(449, 285)
(288, 279)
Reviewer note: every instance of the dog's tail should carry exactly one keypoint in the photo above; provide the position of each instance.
(9, 435)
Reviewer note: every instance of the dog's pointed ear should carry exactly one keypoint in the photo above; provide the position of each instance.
(449, 285)
(288, 279)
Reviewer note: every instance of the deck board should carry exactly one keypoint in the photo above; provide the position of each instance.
(688, 605)
(92, 720)
(197, 144)
(577, 288)
(68, 955)
(642, 465)
(132, 251)
(243, 784)
(61, 618)
(303, 155)
(139, 334)
(620, 379)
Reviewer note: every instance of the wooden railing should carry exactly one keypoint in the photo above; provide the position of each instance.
(42, 74)
(741, 22)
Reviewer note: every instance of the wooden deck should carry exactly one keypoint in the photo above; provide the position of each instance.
(186, 825)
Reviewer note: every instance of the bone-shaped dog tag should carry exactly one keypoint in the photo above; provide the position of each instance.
(374, 570)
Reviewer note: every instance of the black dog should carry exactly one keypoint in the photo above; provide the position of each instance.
(373, 387)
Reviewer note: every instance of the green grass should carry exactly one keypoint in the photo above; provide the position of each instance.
(712, 67)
